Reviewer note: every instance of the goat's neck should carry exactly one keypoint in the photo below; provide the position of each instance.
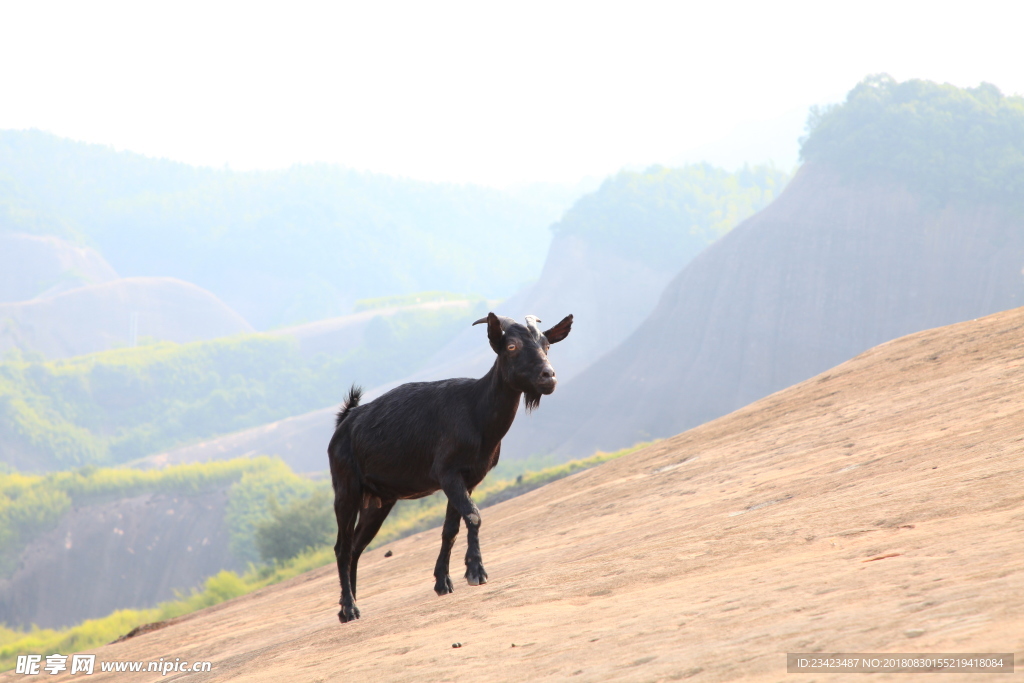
(497, 404)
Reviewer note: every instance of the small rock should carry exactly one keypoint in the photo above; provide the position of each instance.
(388, 554)
(914, 632)
(513, 644)
(456, 644)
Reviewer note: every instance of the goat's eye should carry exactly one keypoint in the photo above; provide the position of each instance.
(511, 347)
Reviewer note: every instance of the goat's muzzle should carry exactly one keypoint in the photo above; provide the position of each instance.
(546, 381)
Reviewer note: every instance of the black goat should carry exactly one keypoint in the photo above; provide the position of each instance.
(427, 436)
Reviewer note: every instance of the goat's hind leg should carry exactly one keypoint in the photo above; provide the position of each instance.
(370, 519)
(443, 583)
(347, 497)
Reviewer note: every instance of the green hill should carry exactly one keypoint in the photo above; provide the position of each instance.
(946, 143)
(115, 406)
(664, 216)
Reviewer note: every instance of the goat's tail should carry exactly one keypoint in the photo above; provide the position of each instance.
(354, 394)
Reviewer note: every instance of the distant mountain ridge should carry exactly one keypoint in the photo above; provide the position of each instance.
(59, 299)
(279, 247)
(38, 265)
(116, 313)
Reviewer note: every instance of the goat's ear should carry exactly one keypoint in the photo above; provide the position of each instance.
(559, 331)
(494, 334)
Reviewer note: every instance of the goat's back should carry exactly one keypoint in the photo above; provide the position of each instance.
(406, 428)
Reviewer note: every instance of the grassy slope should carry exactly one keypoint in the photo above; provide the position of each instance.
(110, 407)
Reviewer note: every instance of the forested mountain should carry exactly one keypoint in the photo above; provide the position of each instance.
(886, 230)
(949, 146)
(278, 247)
(665, 216)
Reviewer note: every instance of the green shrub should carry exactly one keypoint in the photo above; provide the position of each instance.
(303, 524)
(218, 588)
(251, 500)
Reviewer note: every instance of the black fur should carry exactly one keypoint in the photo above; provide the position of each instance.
(354, 394)
(428, 436)
(531, 400)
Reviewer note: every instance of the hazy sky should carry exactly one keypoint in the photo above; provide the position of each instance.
(470, 92)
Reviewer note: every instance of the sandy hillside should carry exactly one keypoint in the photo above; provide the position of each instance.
(877, 507)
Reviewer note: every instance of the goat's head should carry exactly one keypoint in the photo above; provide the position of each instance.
(523, 353)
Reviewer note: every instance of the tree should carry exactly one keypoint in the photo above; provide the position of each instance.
(303, 524)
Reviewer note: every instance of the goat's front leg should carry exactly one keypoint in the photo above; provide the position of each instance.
(458, 496)
(449, 531)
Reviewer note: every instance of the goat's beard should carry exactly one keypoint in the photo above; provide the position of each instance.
(532, 400)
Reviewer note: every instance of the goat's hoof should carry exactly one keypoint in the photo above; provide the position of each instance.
(348, 614)
(444, 586)
(475, 575)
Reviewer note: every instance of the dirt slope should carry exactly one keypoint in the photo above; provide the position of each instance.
(874, 508)
(828, 270)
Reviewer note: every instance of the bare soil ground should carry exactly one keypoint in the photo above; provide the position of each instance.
(877, 507)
